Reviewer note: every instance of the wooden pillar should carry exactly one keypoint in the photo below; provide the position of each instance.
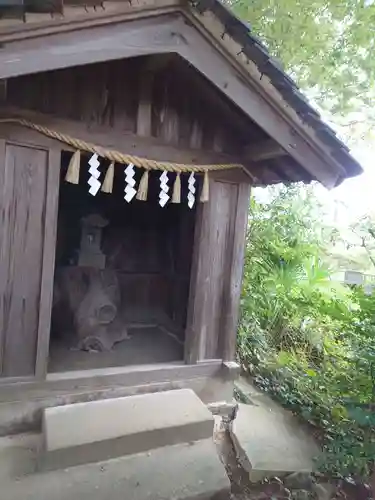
(234, 273)
(194, 348)
(215, 284)
(48, 263)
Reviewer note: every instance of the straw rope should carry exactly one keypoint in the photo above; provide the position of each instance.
(116, 156)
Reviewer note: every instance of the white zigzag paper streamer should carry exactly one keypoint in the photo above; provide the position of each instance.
(130, 192)
(94, 182)
(164, 188)
(192, 190)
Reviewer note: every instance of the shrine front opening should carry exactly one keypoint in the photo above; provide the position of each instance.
(122, 274)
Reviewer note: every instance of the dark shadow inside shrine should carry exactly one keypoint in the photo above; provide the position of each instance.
(122, 274)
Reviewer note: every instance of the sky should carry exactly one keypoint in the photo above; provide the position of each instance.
(358, 193)
(356, 196)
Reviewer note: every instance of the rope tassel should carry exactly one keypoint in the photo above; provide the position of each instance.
(107, 186)
(176, 195)
(72, 174)
(143, 187)
(205, 194)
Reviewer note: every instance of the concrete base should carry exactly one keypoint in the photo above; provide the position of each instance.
(21, 405)
(18, 456)
(269, 441)
(101, 430)
(180, 472)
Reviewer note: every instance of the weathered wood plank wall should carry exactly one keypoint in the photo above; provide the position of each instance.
(216, 273)
(23, 190)
(116, 94)
(233, 271)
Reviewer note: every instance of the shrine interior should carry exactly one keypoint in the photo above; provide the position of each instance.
(122, 274)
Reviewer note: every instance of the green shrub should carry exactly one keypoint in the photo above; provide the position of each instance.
(306, 340)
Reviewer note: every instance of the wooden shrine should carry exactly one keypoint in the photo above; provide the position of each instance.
(131, 134)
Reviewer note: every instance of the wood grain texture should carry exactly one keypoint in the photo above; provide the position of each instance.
(144, 115)
(76, 48)
(48, 265)
(208, 273)
(115, 11)
(134, 95)
(264, 150)
(23, 199)
(233, 275)
(193, 350)
(102, 378)
(220, 227)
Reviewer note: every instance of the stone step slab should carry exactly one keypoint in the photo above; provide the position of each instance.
(270, 441)
(100, 430)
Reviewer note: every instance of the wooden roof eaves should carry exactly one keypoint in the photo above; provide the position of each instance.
(216, 32)
(119, 13)
(212, 30)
